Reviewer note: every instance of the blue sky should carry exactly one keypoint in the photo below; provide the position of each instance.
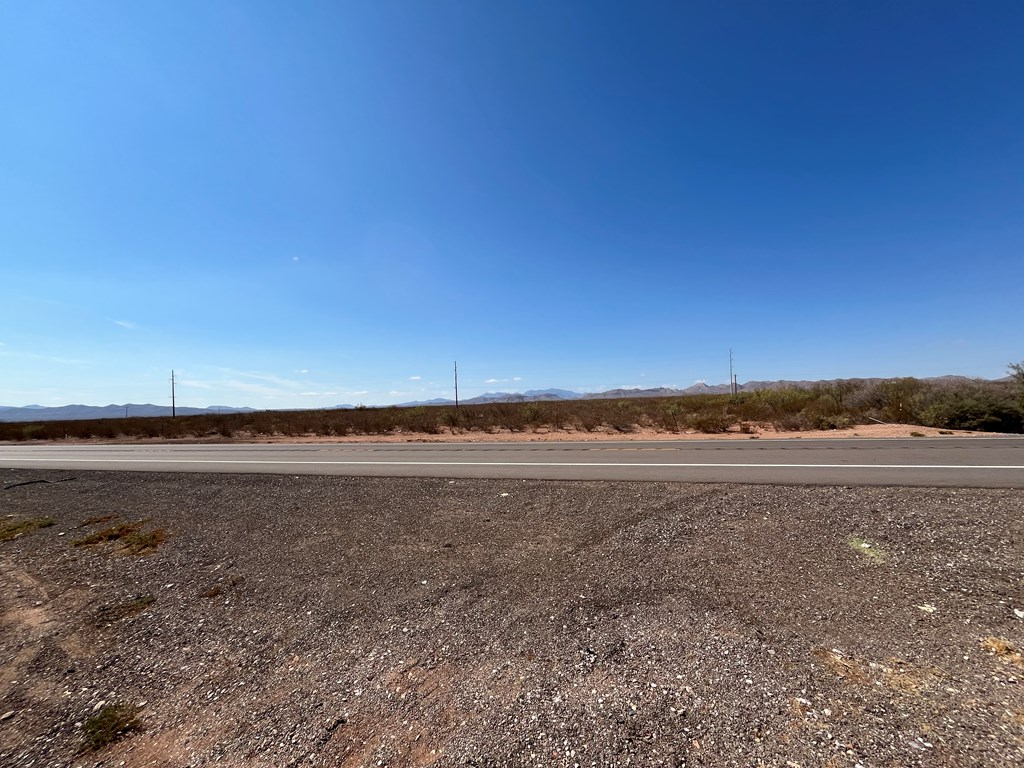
(312, 203)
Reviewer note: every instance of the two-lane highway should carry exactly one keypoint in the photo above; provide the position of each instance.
(957, 462)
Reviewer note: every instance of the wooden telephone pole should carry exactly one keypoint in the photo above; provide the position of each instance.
(174, 410)
(456, 385)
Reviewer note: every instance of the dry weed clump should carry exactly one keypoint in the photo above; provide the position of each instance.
(108, 614)
(1003, 649)
(111, 723)
(12, 528)
(133, 540)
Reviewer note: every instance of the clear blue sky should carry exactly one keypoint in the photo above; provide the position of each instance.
(312, 203)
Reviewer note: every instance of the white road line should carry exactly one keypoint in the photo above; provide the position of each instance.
(515, 464)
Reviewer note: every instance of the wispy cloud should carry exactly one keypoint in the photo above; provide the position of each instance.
(494, 381)
(304, 370)
(267, 378)
(126, 324)
(258, 384)
(45, 358)
(415, 378)
(517, 378)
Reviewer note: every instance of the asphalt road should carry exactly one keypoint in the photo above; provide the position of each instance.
(942, 462)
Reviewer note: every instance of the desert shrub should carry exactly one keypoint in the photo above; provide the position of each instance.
(710, 422)
(453, 418)
(893, 400)
(839, 392)
(669, 415)
(749, 406)
(978, 411)
(791, 422)
(421, 418)
(773, 405)
(624, 415)
(32, 432)
(534, 414)
(832, 421)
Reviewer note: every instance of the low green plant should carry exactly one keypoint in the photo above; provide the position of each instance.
(96, 519)
(108, 534)
(108, 614)
(134, 541)
(710, 423)
(144, 543)
(867, 549)
(12, 528)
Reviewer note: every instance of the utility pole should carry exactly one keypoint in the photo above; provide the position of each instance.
(456, 385)
(174, 411)
(732, 379)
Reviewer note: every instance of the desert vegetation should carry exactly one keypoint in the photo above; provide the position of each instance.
(975, 405)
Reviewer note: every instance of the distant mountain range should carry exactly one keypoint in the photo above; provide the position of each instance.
(79, 412)
(82, 412)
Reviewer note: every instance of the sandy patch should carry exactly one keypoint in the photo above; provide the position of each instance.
(760, 431)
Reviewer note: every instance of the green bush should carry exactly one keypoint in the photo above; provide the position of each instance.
(977, 411)
(710, 423)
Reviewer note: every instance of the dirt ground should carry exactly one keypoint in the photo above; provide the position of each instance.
(555, 435)
(331, 621)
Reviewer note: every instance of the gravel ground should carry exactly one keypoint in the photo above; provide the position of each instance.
(337, 621)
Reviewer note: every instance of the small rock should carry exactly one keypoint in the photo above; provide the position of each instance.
(7, 715)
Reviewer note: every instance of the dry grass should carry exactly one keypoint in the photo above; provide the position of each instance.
(112, 723)
(96, 520)
(108, 614)
(134, 541)
(13, 527)
(108, 534)
(1003, 649)
(144, 543)
(845, 667)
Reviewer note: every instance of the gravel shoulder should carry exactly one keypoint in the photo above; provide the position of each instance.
(259, 620)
